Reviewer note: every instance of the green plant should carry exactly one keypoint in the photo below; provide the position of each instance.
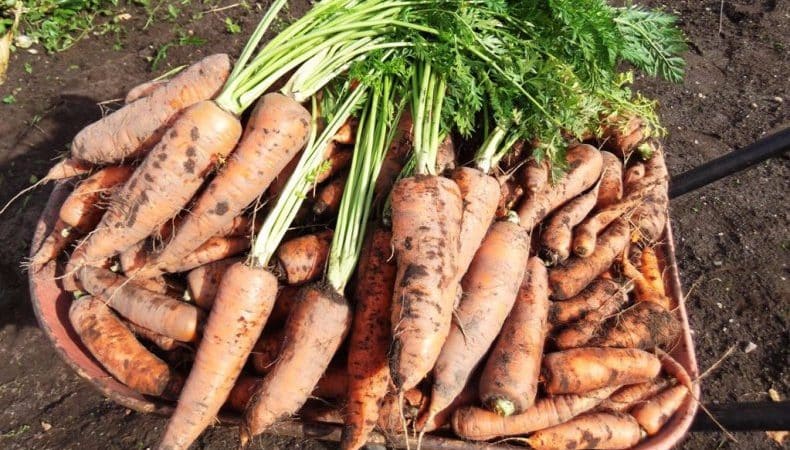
(231, 26)
(182, 40)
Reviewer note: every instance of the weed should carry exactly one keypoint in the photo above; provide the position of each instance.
(182, 40)
(9, 99)
(28, 68)
(231, 26)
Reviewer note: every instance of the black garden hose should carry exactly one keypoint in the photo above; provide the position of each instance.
(753, 416)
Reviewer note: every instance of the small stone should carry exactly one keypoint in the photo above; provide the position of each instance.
(775, 395)
(750, 347)
(46, 426)
(778, 99)
(731, 321)
(719, 305)
(754, 105)
(717, 263)
(23, 41)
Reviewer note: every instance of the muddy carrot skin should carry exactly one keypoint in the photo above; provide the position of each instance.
(336, 162)
(68, 168)
(623, 135)
(303, 258)
(611, 190)
(445, 155)
(589, 299)
(327, 201)
(143, 90)
(214, 249)
(57, 240)
(509, 382)
(536, 176)
(645, 325)
(557, 235)
(627, 397)
(655, 412)
(467, 397)
(85, 206)
(266, 351)
(584, 369)
(415, 403)
(580, 333)
(130, 131)
(650, 217)
(160, 340)
(395, 157)
(203, 281)
(510, 192)
(480, 194)
(589, 431)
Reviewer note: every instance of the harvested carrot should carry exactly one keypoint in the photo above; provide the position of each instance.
(510, 192)
(318, 323)
(623, 134)
(674, 369)
(242, 392)
(632, 177)
(327, 201)
(240, 226)
(133, 129)
(415, 402)
(143, 90)
(509, 382)
(645, 325)
(56, 241)
(303, 259)
(426, 225)
(589, 431)
(586, 233)
(585, 167)
(655, 412)
(286, 296)
(467, 397)
(480, 195)
(214, 249)
(203, 281)
(611, 190)
(582, 370)
(84, 207)
(346, 133)
(160, 340)
(244, 300)
(445, 155)
(651, 271)
(589, 299)
(395, 157)
(338, 161)
(650, 217)
(156, 312)
(116, 348)
(67, 168)
(478, 424)
(577, 273)
(627, 397)
(333, 384)
(321, 412)
(645, 291)
(579, 333)
(536, 175)
(558, 233)
(490, 288)
(266, 351)
(368, 369)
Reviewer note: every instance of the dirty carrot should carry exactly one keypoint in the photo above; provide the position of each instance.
(467, 397)
(557, 235)
(143, 90)
(67, 168)
(627, 397)
(509, 382)
(160, 340)
(480, 195)
(84, 207)
(652, 414)
(651, 271)
(579, 333)
(645, 325)
(203, 281)
(645, 290)
(57, 240)
(303, 258)
(650, 217)
(333, 384)
(214, 249)
(510, 192)
(337, 161)
(611, 190)
(445, 155)
(536, 175)
(590, 299)
(599, 430)
(582, 370)
(266, 351)
(623, 134)
(327, 201)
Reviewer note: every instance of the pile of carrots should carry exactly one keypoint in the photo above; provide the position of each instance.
(344, 261)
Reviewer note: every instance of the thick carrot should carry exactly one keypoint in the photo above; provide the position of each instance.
(509, 382)
(426, 225)
(627, 397)
(510, 192)
(589, 299)
(57, 240)
(84, 207)
(558, 233)
(143, 90)
(368, 371)
(303, 259)
(645, 325)
(214, 249)
(277, 130)
(536, 175)
(160, 340)
(318, 323)
(623, 134)
(650, 217)
(164, 183)
(480, 195)
(336, 162)
(266, 350)
(589, 431)
(116, 348)
(244, 301)
(203, 281)
(611, 190)
(585, 167)
(478, 424)
(133, 129)
(157, 312)
(579, 333)
(490, 288)
(577, 273)
(655, 412)
(327, 200)
(584, 369)
(445, 155)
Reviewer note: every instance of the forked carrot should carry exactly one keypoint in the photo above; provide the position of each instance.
(579, 333)
(557, 234)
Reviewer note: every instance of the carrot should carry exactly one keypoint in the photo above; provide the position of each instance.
(627, 396)
(650, 217)
(467, 397)
(536, 175)
(240, 226)
(160, 340)
(645, 290)
(368, 371)
(278, 184)
(578, 334)
(611, 190)
(156, 312)
(558, 233)
(116, 348)
(478, 424)
(623, 134)
(480, 195)
(266, 350)
(336, 162)
(241, 392)
(84, 207)
(584, 369)
(577, 273)
(286, 296)
(346, 134)
(133, 129)
(395, 157)
(276, 131)
(513, 159)
(333, 384)
(510, 192)
(327, 202)
(318, 323)
(392, 413)
(645, 325)
(633, 175)
(57, 240)
(303, 259)
(593, 430)
(585, 167)
(654, 413)
(587, 231)
(164, 183)
(651, 271)
(66, 168)
(244, 301)
(509, 381)
(675, 369)
(143, 90)
(589, 299)
(426, 225)
(203, 281)
(445, 155)
(214, 249)
(490, 288)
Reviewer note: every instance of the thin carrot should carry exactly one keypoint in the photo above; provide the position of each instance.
(645, 290)
(84, 207)
(203, 281)
(645, 325)
(160, 340)
(557, 235)
(392, 413)
(589, 299)
(67, 168)
(589, 431)
(143, 90)
(241, 392)
(57, 240)
(655, 412)
(568, 280)
(627, 397)
(611, 190)
(510, 192)
(214, 249)
(335, 163)
(133, 129)
(327, 201)
(651, 271)
(479, 424)
(582, 370)
(303, 258)
(650, 217)
(509, 382)
(623, 134)
(579, 333)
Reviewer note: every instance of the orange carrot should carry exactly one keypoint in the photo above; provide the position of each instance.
(57, 240)
(651, 271)
(303, 259)
(242, 392)
(240, 226)
(445, 155)
(510, 192)
(585, 167)
(627, 397)
(645, 325)
(611, 190)
(480, 195)
(244, 301)
(277, 129)
(347, 132)
(644, 289)
(590, 299)
(392, 413)
(286, 296)
(266, 351)
(395, 157)
(650, 217)
(327, 201)
(467, 397)
(143, 90)
(633, 175)
(133, 129)
(426, 225)
(577, 273)
(588, 431)
(623, 134)
(318, 323)
(116, 348)
(509, 382)
(478, 424)
(558, 233)
(333, 384)
(368, 371)
(203, 281)
(67, 168)
(585, 234)
(214, 249)
(582, 370)
(578, 334)
(536, 176)
(336, 162)
(654, 413)
(84, 207)
(156, 312)
(490, 288)
(674, 369)
(160, 340)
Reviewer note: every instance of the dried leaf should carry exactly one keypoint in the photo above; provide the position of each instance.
(778, 436)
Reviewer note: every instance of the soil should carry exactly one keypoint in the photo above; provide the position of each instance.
(731, 236)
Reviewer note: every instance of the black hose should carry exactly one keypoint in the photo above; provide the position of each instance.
(732, 162)
(755, 416)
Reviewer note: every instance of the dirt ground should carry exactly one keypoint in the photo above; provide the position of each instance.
(731, 237)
